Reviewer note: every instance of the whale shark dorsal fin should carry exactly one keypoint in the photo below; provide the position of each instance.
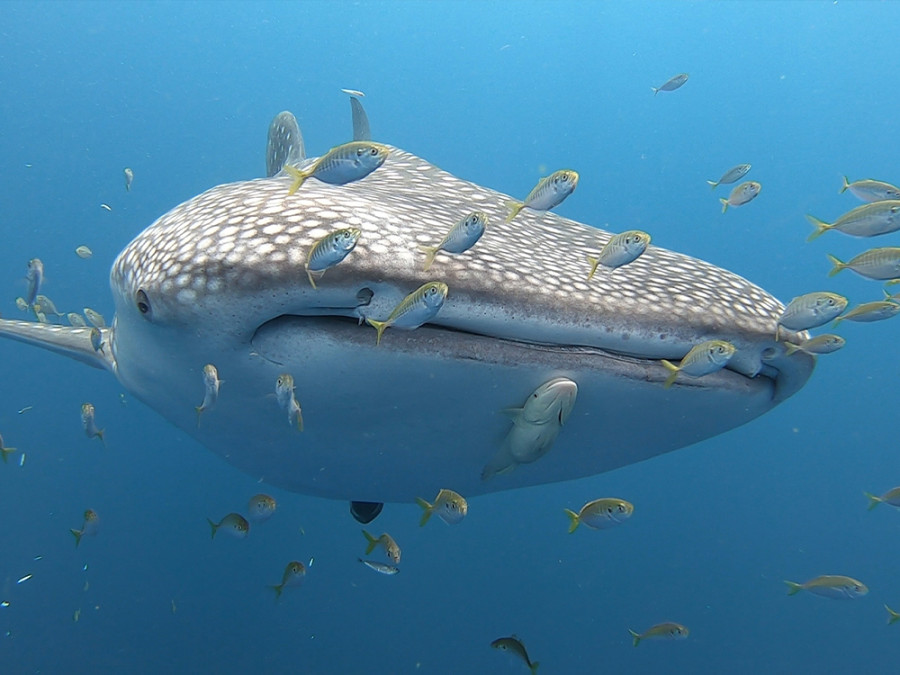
(361, 131)
(285, 143)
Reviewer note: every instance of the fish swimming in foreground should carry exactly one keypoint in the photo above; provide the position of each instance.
(75, 319)
(601, 514)
(703, 359)
(893, 616)
(661, 631)
(129, 178)
(733, 175)
(284, 394)
(4, 451)
(811, 311)
(47, 305)
(90, 424)
(417, 308)
(461, 237)
(329, 251)
(870, 190)
(35, 277)
(449, 506)
(821, 344)
(741, 194)
(833, 586)
(344, 164)
(261, 507)
(891, 497)
(871, 311)
(671, 84)
(293, 575)
(83, 252)
(535, 426)
(234, 524)
(96, 340)
(22, 304)
(621, 249)
(387, 542)
(94, 318)
(211, 384)
(513, 645)
(380, 567)
(877, 263)
(550, 192)
(868, 220)
(89, 527)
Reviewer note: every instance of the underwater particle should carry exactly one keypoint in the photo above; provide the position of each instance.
(354, 92)
(106, 207)
(22, 580)
(83, 252)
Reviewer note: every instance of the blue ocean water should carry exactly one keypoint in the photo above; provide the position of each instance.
(498, 94)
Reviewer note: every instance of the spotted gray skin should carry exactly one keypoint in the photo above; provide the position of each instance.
(285, 143)
(220, 279)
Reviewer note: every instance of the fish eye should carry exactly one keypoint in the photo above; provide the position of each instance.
(373, 151)
(142, 302)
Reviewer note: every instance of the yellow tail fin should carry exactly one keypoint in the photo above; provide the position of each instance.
(299, 177)
(379, 326)
(635, 637)
(213, 527)
(312, 281)
(839, 265)
(713, 184)
(673, 369)
(430, 252)
(873, 500)
(373, 542)
(793, 587)
(841, 191)
(894, 616)
(594, 263)
(6, 452)
(820, 225)
(574, 518)
(429, 509)
(724, 204)
(77, 534)
(514, 208)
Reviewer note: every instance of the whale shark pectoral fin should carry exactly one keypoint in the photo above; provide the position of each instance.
(361, 131)
(66, 340)
(285, 143)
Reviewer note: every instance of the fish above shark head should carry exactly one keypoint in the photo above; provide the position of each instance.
(220, 280)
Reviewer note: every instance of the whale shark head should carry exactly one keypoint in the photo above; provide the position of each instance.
(221, 279)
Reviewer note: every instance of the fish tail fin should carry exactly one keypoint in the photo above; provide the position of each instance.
(213, 527)
(635, 637)
(673, 373)
(534, 666)
(514, 208)
(873, 500)
(793, 587)
(594, 263)
(77, 534)
(312, 281)
(713, 184)
(379, 326)
(373, 542)
(277, 588)
(821, 227)
(429, 509)
(839, 265)
(837, 320)
(841, 191)
(6, 452)
(430, 252)
(299, 178)
(790, 348)
(574, 520)
(101, 434)
(655, 90)
(199, 409)
(724, 204)
(893, 616)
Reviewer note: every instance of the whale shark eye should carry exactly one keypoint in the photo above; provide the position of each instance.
(142, 302)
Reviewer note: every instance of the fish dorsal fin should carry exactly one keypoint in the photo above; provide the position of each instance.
(361, 131)
(285, 143)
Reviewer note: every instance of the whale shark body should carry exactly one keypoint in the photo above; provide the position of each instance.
(220, 279)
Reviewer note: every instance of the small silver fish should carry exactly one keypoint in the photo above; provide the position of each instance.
(835, 586)
(811, 311)
(89, 527)
(47, 306)
(129, 178)
(387, 542)
(76, 319)
(83, 252)
(870, 311)
(284, 393)
(261, 507)
(601, 514)
(513, 645)
(876, 263)
(449, 506)
(550, 192)
(354, 92)
(459, 239)
(293, 575)
(341, 165)
(94, 318)
(733, 175)
(662, 631)
(620, 250)
(870, 190)
(97, 340)
(868, 220)
(671, 84)
(329, 251)
(821, 344)
(211, 384)
(380, 567)
(703, 359)
(740, 195)
(417, 308)
(89, 424)
(234, 524)
(106, 207)
(891, 497)
(22, 304)
(35, 276)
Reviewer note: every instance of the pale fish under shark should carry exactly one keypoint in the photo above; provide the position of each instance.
(220, 279)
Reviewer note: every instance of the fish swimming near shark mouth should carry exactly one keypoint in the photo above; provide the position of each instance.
(220, 280)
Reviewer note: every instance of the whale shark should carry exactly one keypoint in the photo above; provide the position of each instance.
(220, 280)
